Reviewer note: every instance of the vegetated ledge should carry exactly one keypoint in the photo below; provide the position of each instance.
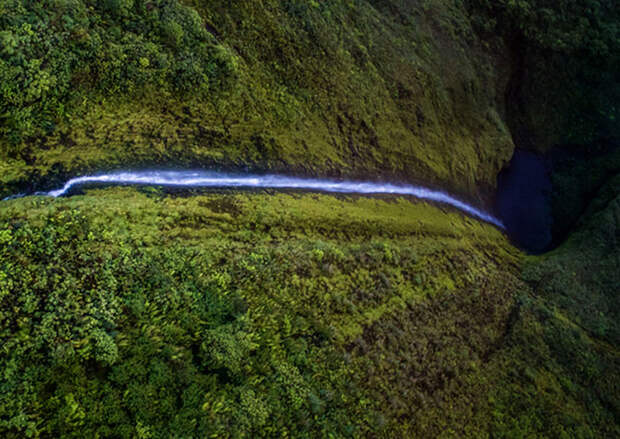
(523, 200)
(35, 179)
(190, 179)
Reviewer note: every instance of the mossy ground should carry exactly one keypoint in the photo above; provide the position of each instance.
(132, 312)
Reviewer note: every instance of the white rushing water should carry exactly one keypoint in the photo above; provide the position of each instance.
(220, 180)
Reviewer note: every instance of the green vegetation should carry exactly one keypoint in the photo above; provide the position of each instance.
(138, 313)
(331, 88)
(214, 314)
(56, 54)
(589, 27)
(132, 313)
(565, 87)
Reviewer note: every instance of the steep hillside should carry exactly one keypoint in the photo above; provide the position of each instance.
(332, 88)
(131, 312)
(135, 313)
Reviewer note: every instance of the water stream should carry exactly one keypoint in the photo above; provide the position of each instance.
(205, 179)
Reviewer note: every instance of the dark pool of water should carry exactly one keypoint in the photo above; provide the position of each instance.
(523, 201)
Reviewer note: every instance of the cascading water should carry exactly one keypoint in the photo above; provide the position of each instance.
(206, 179)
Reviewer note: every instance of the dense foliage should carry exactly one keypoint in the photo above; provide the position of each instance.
(566, 83)
(399, 89)
(129, 314)
(138, 313)
(54, 52)
(587, 27)
(434, 91)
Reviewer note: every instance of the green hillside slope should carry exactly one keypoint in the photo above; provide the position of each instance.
(420, 91)
(329, 88)
(152, 313)
(132, 313)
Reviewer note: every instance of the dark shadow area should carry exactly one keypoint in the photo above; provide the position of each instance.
(579, 173)
(523, 201)
(541, 198)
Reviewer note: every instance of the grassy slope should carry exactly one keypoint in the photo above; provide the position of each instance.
(129, 312)
(336, 88)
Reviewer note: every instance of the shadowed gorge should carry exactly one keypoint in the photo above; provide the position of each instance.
(285, 218)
